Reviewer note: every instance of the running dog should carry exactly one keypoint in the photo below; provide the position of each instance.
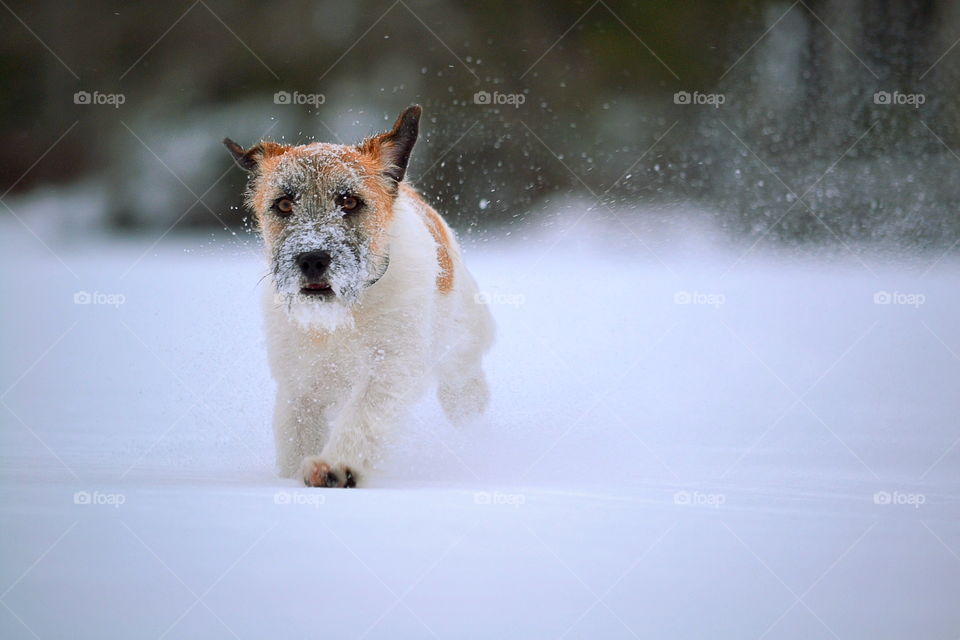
(370, 305)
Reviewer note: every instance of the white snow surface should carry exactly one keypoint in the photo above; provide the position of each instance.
(777, 459)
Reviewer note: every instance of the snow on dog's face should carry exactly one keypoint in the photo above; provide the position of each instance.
(324, 211)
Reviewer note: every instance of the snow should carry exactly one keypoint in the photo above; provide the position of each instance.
(687, 442)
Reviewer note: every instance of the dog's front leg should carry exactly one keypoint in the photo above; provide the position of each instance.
(357, 432)
(299, 427)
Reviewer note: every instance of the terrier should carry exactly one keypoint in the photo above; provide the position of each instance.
(371, 302)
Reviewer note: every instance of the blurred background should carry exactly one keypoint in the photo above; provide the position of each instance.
(823, 121)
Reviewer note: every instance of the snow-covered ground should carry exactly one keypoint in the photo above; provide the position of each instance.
(687, 444)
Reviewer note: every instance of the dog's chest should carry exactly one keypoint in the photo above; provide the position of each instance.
(334, 362)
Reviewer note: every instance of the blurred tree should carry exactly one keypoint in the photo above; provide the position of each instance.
(597, 79)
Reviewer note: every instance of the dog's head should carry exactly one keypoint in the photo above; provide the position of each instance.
(324, 211)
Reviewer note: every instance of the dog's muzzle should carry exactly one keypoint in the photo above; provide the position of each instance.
(313, 265)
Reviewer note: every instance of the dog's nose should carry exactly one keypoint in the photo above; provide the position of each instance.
(313, 264)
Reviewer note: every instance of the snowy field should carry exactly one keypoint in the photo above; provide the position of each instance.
(691, 443)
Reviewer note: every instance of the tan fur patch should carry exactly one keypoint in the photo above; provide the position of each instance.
(442, 236)
(380, 190)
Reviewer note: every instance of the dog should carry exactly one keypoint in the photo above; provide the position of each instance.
(371, 302)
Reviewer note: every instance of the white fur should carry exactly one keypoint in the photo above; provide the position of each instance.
(342, 387)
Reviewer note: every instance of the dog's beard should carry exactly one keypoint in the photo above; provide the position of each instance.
(347, 276)
(321, 315)
(318, 311)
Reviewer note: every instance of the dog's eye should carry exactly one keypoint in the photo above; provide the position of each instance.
(283, 206)
(348, 203)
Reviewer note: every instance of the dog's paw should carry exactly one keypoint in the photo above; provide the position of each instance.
(318, 473)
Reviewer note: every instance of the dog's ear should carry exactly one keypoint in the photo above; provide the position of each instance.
(250, 159)
(394, 147)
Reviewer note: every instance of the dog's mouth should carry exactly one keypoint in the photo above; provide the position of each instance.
(319, 289)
